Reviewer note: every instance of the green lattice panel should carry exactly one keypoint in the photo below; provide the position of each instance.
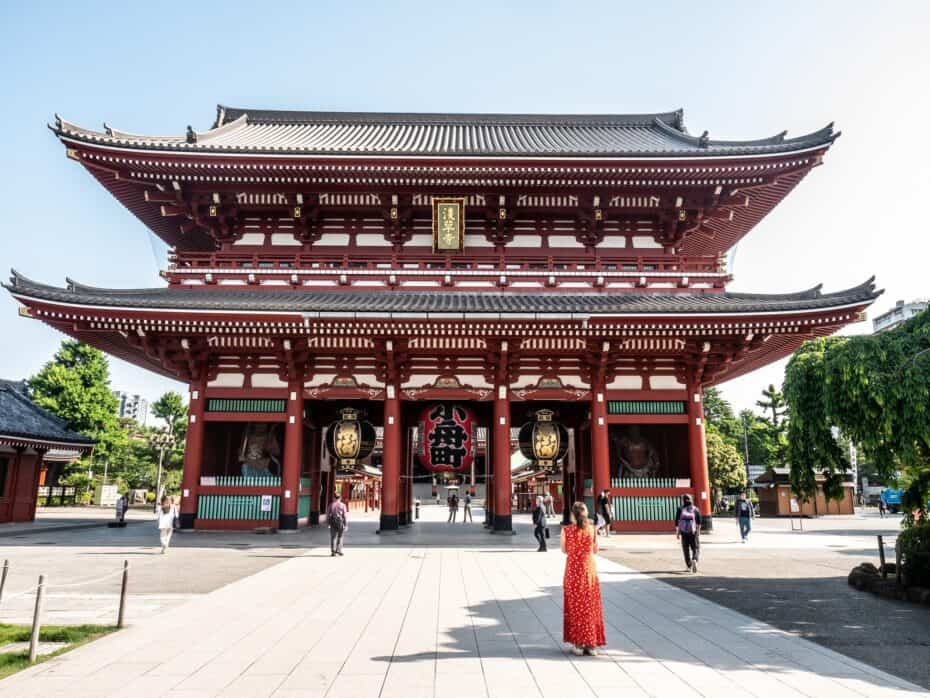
(236, 507)
(258, 405)
(646, 407)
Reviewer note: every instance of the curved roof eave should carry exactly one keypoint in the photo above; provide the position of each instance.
(401, 303)
(643, 136)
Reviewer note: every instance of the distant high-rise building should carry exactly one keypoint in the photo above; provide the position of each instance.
(902, 311)
(133, 406)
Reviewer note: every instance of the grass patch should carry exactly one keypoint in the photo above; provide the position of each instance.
(74, 635)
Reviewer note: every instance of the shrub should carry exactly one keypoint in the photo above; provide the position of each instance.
(914, 546)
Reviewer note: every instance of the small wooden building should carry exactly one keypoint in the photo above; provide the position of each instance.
(775, 497)
(29, 436)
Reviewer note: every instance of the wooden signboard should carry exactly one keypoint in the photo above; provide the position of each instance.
(448, 224)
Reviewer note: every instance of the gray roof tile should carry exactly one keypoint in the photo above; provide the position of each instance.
(22, 418)
(500, 135)
(305, 301)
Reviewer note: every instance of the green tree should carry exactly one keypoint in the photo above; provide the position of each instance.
(719, 413)
(876, 390)
(766, 446)
(772, 401)
(811, 445)
(75, 385)
(171, 408)
(724, 463)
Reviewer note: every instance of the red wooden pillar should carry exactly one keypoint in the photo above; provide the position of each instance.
(697, 455)
(390, 460)
(293, 453)
(503, 496)
(193, 453)
(402, 507)
(315, 480)
(600, 448)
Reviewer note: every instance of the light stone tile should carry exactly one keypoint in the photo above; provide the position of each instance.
(257, 686)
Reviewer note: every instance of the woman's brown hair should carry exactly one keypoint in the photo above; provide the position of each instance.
(580, 512)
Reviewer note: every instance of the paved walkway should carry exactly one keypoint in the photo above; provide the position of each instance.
(53, 519)
(392, 619)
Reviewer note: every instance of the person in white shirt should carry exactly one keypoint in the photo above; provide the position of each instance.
(166, 515)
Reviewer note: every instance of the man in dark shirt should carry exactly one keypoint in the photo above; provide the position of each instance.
(744, 514)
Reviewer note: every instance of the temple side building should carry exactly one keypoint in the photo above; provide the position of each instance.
(35, 445)
(484, 270)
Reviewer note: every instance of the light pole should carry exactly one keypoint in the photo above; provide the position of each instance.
(161, 441)
(746, 449)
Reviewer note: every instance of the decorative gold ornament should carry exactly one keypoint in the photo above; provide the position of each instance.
(448, 224)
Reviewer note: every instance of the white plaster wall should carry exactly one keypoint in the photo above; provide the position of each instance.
(626, 383)
(282, 239)
(267, 380)
(227, 380)
(665, 383)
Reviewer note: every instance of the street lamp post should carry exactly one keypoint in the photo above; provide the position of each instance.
(161, 441)
(746, 449)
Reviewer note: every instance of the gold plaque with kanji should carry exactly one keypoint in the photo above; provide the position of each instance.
(448, 224)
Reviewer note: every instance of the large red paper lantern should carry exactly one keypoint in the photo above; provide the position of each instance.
(446, 437)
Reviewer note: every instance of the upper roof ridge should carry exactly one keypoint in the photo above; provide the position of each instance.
(225, 115)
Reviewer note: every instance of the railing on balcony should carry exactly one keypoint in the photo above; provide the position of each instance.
(259, 262)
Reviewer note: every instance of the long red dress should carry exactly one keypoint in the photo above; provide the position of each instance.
(583, 622)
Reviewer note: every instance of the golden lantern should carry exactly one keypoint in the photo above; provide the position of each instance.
(349, 440)
(543, 441)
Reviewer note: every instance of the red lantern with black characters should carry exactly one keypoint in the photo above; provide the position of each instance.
(446, 437)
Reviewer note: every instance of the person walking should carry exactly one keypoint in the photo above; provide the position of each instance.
(882, 507)
(166, 516)
(603, 511)
(688, 531)
(744, 515)
(583, 613)
(121, 503)
(539, 524)
(466, 511)
(547, 503)
(337, 518)
(453, 507)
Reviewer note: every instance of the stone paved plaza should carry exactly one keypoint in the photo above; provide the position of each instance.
(441, 612)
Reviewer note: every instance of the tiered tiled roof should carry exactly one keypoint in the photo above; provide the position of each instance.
(488, 135)
(466, 303)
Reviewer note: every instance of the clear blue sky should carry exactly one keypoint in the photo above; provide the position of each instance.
(738, 69)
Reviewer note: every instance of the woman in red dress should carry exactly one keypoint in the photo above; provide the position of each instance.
(583, 623)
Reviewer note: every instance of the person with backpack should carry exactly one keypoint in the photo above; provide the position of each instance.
(337, 517)
(744, 515)
(688, 531)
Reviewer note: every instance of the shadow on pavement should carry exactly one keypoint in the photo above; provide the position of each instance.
(639, 632)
